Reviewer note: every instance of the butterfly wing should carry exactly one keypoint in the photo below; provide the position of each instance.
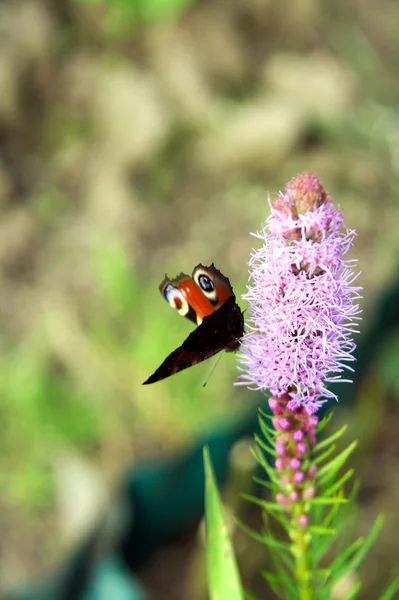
(221, 330)
(198, 296)
(213, 284)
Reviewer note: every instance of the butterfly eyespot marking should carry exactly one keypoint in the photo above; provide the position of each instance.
(176, 300)
(206, 284)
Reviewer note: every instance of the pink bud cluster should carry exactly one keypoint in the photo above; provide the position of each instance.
(295, 439)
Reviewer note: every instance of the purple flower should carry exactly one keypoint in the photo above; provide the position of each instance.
(303, 304)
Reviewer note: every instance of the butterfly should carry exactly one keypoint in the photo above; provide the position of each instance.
(207, 299)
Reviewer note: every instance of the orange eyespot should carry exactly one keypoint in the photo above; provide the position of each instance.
(176, 298)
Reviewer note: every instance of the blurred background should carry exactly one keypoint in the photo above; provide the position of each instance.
(139, 137)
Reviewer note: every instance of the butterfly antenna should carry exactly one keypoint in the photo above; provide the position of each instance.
(212, 370)
(248, 334)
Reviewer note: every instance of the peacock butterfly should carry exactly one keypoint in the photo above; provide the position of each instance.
(206, 298)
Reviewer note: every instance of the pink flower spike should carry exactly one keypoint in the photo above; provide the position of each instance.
(279, 464)
(303, 304)
(282, 499)
(299, 476)
(295, 464)
(309, 493)
(298, 435)
(303, 521)
(301, 449)
(275, 406)
(280, 449)
(285, 424)
(275, 424)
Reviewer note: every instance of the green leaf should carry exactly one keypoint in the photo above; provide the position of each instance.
(284, 579)
(322, 544)
(336, 516)
(224, 581)
(322, 530)
(322, 457)
(338, 484)
(274, 582)
(355, 592)
(367, 543)
(259, 457)
(280, 517)
(344, 556)
(391, 590)
(266, 415)
(263, 482)
(265, 504)
(264, 538)
(272, 542)
(332, 438)
(265, 446)
(324, 422)
(323, 573)
(332, 514)
(269, 432)
(330, 469)
(359, 548)
(258, 537)
(335, 500)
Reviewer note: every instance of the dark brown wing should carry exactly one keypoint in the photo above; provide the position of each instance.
(222, 330)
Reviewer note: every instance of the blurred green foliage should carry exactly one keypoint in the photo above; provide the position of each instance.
(124, 15)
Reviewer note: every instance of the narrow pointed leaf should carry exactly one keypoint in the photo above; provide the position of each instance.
(268, 431)
(337, 485)
(223, 576)
(324, 422)
(265, 415)
(258, 537)
(358, 549)
(264, 445)
(316, 529)
(328, 470)
(345, 556)
(270, 506)
(355, 592)
(391, 590)
(367, 543)
(332, 438)
(322, 457)
(274, 582)
(334, 500)
(263, 482)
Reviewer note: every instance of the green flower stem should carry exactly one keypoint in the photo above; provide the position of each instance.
(300, 549)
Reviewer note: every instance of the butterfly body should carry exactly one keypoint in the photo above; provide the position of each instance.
(207, 299)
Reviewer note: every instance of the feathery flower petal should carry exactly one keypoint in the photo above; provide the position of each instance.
(303, 301)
